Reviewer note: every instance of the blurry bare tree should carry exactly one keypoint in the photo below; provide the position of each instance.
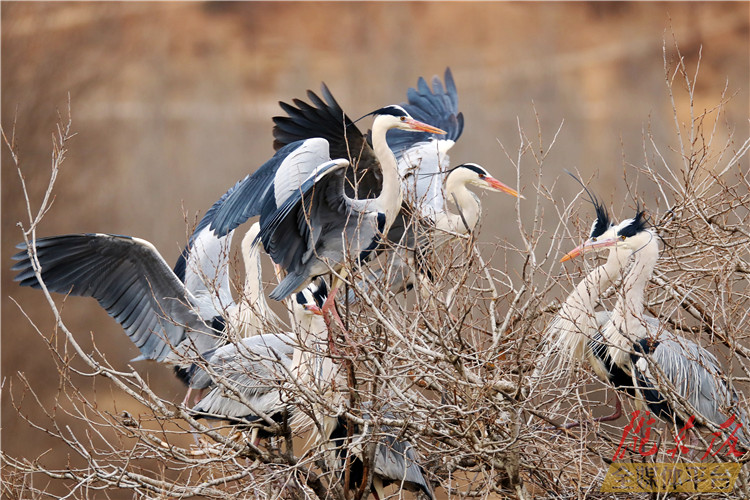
(445, 368)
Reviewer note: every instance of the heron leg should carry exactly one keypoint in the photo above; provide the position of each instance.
(615, 414)
(606, 418)
(199, 395)
(186, 400)
(254, 436)
(329, 311)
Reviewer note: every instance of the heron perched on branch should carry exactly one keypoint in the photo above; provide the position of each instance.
(251, 377)
(171, 316)
(414, 239)
(574, 332)
(428, 183)
(309, 225)
(673, 377)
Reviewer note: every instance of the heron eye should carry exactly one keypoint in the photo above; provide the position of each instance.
(622, 237)
(482, 176)
(403, 118)
(594, 238)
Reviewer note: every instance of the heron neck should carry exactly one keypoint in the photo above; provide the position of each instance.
(389, 200)
(468, 207)
(252, 308)
(627, 317)
(576, 322)
(252, 289)
(311, 328)
(309, 360)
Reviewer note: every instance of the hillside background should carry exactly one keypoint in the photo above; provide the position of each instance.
(172, 103)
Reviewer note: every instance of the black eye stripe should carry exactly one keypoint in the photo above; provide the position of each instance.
(474, 168)
(636, 225)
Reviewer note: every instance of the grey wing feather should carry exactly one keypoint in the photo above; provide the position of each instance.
(396, 461)
(437, 106)
(325, 118)
(256, 192)
(696, 376)
(287, 235)
(131, 281)
(254, 368)
(423, 157)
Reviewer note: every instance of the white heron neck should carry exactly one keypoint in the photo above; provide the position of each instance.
(468, 206)
(309, 361)
(253, 313)
(389, 200)
(628, 324)
(576, 322)
(252, 289)
(311, 328)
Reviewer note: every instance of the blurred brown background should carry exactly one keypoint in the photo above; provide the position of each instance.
(172, 103)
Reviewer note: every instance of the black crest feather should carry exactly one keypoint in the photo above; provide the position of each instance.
(473, 167)
(637, 224)
(602, 222)
(391, 109)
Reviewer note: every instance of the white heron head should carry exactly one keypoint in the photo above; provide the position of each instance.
(394, 116)
(471, 174)
(310, 300)
(634, 234)
(627, 237)
(602, 231)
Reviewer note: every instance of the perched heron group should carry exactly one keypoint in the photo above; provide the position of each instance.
(669, 375)
(329, 200)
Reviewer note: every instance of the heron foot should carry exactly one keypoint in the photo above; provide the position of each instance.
(606, 418)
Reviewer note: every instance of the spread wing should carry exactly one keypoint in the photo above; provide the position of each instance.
(423, 157)
(267, 188)
(131, 281)
(291, 233)
(325, 118)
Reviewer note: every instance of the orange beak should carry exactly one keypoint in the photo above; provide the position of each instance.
(417, 125)
(588, 246)
(499, 186)
(314, 309)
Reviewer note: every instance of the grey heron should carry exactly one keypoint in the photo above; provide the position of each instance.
(415, 241)
(662, 367)
(171, 316)
(395, 460)
(427, 182)
(309, 225)
(574, 331)
(252, 376)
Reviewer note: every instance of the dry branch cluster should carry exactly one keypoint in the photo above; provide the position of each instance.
(446, 366)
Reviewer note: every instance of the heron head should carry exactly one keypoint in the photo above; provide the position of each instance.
(305, 301)
(312, 298)
(476, 175)
(628, 236)
(394, 116)
(633, 234)
(602, 231)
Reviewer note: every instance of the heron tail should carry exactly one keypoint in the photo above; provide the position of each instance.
(290, 284)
